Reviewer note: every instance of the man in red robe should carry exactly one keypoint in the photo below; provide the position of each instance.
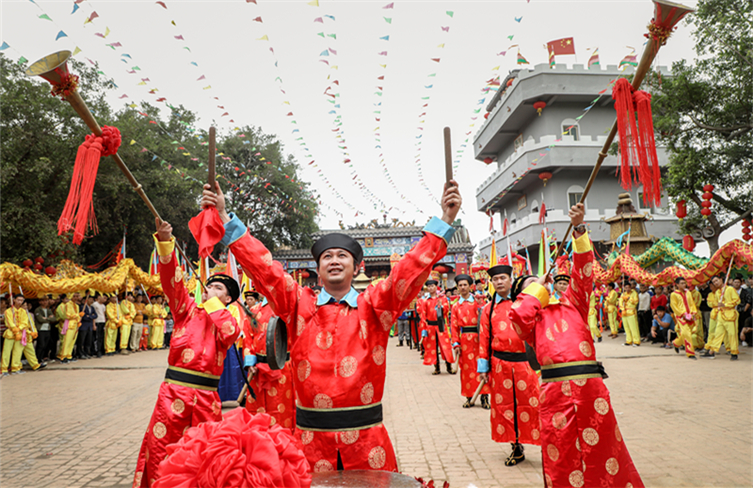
(465, 313)
(201, 337)
(581, 443)
(436, 334)
(273, 388)
(514, 385)
(339, 337)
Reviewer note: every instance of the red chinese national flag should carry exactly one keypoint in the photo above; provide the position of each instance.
(561, 46)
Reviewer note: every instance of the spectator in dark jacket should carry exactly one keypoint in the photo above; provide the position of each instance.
(85, 341)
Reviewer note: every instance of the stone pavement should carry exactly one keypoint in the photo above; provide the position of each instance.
(685, 423)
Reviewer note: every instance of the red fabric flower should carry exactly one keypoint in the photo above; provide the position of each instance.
(242, 450)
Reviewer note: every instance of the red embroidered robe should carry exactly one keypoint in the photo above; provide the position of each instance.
(435, 337)
(201, 337)
(466, 315)
(581, 443)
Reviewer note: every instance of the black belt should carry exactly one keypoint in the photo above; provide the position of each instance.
(191, 379)
(433, 322)
(572, 371)
(511, 357)
(338, 419)
(261, 358)
(469, 330)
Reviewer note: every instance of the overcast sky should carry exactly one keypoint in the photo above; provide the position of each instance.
(226, 47)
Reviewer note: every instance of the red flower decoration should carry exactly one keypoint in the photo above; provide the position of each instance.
(242, 450)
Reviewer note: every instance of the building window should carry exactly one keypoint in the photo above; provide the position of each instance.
(643, 205)
(519, 142)
(574, 194)
(570, 128)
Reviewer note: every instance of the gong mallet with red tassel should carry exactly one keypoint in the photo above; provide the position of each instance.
(54, 69)
(666, 16)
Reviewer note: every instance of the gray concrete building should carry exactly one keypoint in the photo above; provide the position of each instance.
(523, 144)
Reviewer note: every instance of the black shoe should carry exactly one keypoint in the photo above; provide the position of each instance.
(692, 357)
(65, 361)
(449, 368)
(733, 357)
(467, 403)
(42, 366)
(485, 402)
(516, 456)
(400, 344)
(599, 338)
(436, 370)
(677, 350)
(707, 354)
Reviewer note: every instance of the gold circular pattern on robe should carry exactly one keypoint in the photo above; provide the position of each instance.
(585, 348)
(559, 421)
(498, 399)
(499, 370)
(324, 340)
(601, 406)
(576, 479)
(507, 383)
(378, 355)
(500, 429)
(549, 334)
(187, 355)
(516, 304)
(216, 408)
(304, 370)
(588, 269)
(261, 410)
(307, 436)
(401, 289)
(613, 467)
(367, 393)
(267, 259)
(348, 366)
(566, 390)
(137, 479)
(502, 325)
(159, 430)
(617, 433)
(272, 421)
(581, 382)
(386, 319)
(377, 457)
(300, 325)
(590, 436)
(577, 443)
(349, 436)
(533, 401)
(178, 407)
(281, 408)
(228, 328)
(522, 385)
(552, 452)
(564, 325)
(283, 379)
(535, 434)
(509, 415)
(525, 417)
(548, 481)
(322, 401)
(323, 466)
(363, 332)
(273, 391)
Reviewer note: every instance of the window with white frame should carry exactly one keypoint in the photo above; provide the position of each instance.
(570, 128)
(574, 195)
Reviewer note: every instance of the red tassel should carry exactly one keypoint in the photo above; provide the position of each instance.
(652, 179)
(622, 93)
(78, 213)
(542, 214)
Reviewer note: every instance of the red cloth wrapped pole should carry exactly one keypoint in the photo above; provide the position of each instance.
(78, 213)
(207, 229)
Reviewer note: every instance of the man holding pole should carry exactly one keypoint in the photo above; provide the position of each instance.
(436, 334)
(726, 321)
(339, 337)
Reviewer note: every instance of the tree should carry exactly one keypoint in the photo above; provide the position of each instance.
(166, 154)
(704, 115)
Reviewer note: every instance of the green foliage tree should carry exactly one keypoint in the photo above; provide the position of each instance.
(166, 154)
(704, 115)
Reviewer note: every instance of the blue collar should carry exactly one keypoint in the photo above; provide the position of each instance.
(500, 298)
(469, 300)
(264, 302)
(325, 298)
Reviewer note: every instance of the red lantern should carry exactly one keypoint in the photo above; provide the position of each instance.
(706, 204)
(688, 243)
(705, 212)
(38, 267)
(27, 263)
(545, 176)
(441, 269)
(707, 196)
(746, 223)
(305, 274)
(708, 188)
(539, 106)
(682, 211)
(40, 260)
(488, 160)
(50, 270)
(746, 237)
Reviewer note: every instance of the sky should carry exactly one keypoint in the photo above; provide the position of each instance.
(370, 84)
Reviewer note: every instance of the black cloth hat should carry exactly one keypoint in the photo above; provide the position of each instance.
(251, 293)
(562, 277)
(517, 286)
(232, 286)
(432, 282)
(499, 269)
(464, 277)
(340, 241)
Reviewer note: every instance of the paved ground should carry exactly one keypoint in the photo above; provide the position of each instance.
(685, 423)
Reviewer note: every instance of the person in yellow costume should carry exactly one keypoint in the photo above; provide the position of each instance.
(685, 312)
(157, 324)
(628, 307)
(28, 348)
(713, 302)
(17, 323)
(612, 299)
(593, 320)
(127, 314)
(69, 320)
(726, 321)
(698, 341)
(114, 321)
